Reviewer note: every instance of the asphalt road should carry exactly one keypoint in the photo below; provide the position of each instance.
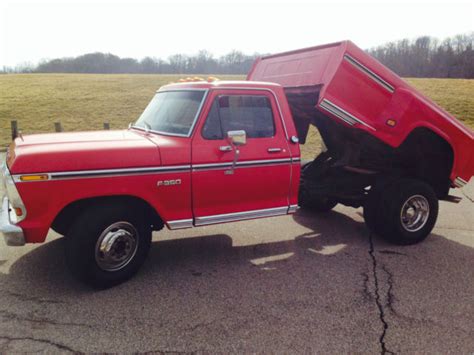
(299, 283)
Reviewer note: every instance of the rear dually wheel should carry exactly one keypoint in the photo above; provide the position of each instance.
(404, 212)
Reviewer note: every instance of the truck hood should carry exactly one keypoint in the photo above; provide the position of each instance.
(82, 151)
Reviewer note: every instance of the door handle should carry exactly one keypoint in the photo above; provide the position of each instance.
(225, 148)
(274, 150)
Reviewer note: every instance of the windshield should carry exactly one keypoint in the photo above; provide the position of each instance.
(172, 112)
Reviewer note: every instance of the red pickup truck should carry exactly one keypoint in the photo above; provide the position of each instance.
(213, 152)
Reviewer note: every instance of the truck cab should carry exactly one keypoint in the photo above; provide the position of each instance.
(236, 139)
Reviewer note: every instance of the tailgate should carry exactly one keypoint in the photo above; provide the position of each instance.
(306, 67)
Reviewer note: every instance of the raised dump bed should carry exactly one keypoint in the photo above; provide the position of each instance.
(370, 119)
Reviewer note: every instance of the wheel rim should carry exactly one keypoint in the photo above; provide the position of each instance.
(116, 246)
(415, 213)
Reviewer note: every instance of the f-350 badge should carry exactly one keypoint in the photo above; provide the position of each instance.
(168, 182)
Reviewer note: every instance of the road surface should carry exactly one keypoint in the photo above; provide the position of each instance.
(289, 284)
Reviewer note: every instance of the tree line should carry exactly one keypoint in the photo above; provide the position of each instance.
(427, 57)
(422, 57)
(234, 62)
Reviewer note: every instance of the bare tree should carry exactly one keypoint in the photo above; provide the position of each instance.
(428, 57)
(422, 57)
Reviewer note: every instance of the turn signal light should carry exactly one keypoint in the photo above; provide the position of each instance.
(391, 123)
(18, 212)
(34, 177)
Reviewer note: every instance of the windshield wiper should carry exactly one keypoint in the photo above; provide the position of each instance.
(147, 126)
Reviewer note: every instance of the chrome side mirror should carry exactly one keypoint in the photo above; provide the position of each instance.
(237, 138)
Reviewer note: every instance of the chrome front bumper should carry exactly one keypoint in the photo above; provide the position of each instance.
(12, 233)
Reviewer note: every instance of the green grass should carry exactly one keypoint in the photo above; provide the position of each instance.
(78, 101)
(86, 101)
(454, 95)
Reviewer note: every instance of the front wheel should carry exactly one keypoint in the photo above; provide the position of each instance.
(405, 213)
(107, 244)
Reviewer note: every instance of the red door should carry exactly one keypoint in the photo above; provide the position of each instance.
(258, 184)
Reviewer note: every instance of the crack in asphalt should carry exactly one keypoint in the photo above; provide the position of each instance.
(391, 252)
(378, 301)
(29, 298)
(6, 315)
(390, 295)
(169, 352)
(60, 346)
(164, 352)
(201, 325)
(387, 307)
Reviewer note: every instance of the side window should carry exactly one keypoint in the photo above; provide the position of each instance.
(253, 114)
(212, 128)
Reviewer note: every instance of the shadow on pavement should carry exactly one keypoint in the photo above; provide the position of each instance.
(306, 294)
(331, 234)
(46, 265)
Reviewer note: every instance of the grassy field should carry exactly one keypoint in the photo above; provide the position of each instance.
(78, 101)
(86, 101)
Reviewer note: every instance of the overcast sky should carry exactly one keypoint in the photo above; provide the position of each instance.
(35, 30)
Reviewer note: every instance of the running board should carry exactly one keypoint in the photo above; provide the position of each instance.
(239, 216)
(231, 217)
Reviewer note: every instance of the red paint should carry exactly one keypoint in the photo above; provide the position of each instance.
(354, 91)
(209, 191)
(250, 188)
(212, 192)
(83, 151)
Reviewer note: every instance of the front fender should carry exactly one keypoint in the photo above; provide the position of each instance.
(44, 200)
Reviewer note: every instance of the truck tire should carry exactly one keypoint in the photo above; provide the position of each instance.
(107, 244)
(306, 201)
(372, 216)
(319, 204)
(407, 212)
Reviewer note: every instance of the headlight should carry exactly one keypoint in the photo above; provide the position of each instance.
(19, 210)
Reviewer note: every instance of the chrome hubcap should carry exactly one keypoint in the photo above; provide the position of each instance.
(116, 246)
(415, 213)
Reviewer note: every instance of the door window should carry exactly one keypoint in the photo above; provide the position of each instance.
(251, 113)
